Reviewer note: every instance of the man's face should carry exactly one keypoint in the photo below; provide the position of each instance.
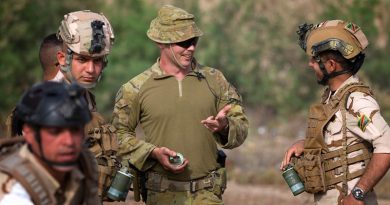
(183, 52)
(86, 70)
(314, 65)
(59, 145)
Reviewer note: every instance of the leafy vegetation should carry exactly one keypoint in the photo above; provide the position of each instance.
(252, 42)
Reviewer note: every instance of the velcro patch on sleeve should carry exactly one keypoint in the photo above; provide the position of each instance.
(363, 122)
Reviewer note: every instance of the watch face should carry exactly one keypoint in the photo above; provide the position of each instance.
(358, 193)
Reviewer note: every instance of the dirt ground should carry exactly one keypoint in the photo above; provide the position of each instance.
(256, 163)
(255, 195)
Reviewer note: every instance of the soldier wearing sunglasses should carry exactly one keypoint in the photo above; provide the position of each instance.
(186, 110)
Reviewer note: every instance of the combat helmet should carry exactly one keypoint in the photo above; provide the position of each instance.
(335, 35)
(51, 104)
(85, 33)
(173, 25)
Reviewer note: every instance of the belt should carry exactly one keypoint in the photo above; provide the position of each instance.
(160, 183)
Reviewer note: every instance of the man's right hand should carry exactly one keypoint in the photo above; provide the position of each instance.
(162, 154)
(295, 150)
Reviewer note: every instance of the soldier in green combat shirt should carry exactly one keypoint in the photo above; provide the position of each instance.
(183, 107)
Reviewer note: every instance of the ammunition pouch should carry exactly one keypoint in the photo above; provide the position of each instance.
(215, 182)
(322, 171)
(139, 182)
(221, 158)
(220, 180)
(311, 171)
(102, 142)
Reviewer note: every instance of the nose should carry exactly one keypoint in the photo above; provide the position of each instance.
(192, 47)
(311, 63)
(67, 138)
(90, 67)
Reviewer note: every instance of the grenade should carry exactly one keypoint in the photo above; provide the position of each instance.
(292, 178)
(177, 160)
(120, 185)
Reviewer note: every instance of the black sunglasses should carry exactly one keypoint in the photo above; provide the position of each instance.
(188, 43)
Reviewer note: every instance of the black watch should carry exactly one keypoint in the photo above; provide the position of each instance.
(358, 193)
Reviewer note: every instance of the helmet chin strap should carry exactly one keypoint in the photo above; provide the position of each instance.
(67, 70)
(326, 75)
(325, 78)
(174, 58)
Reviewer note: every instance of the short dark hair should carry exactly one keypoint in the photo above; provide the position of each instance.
(48, 53)
(338, 57)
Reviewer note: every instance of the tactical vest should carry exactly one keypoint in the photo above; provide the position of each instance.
(103, 143)
(22, 170)
(101, 140)
(320, 168)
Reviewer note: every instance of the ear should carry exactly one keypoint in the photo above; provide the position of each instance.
(28, 134)
(332, 65)
(61, 57)
(161, 45)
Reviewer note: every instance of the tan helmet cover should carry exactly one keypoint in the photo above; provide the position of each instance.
(77, 33)
(173, 25)
(350, 34)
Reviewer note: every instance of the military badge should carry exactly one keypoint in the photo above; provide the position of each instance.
(351, 27)
(363, 121)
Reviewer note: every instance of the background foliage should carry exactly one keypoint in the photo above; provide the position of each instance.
(253, 42)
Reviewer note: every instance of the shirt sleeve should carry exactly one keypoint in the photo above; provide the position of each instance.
(364, 119)
(17, 196)
(125, 119)
(238, 122)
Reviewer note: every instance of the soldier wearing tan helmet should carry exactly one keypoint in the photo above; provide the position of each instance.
(87, 39)
(347, 146)
(186, 110)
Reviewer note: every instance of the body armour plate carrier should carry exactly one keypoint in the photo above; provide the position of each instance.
(319, 168)
(21, 169)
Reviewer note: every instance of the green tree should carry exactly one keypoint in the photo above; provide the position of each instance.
(132, 52)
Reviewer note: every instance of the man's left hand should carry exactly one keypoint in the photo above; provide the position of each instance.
(350, 200)
(218, 123)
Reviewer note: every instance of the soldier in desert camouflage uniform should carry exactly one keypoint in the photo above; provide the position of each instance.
(183, 107)
(52, 166)
(347, 147)
(87, 40)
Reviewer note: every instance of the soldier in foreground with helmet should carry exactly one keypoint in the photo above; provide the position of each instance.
(347, 147)
(52, 166)
(186, 110)
(87, 39)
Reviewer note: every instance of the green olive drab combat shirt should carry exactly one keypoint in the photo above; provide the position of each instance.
(170, 113)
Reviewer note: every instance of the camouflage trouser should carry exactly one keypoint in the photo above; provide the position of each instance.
(201, 197)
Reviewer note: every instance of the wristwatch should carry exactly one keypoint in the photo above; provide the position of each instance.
(358, 193)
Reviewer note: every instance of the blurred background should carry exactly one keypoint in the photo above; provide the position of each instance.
(253, 42)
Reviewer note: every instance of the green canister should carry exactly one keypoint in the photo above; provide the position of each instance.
(292, 178)
(120, 185)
